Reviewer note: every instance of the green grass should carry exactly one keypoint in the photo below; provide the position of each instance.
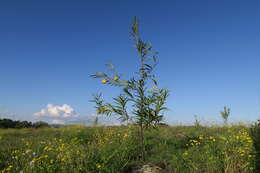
(115, 149)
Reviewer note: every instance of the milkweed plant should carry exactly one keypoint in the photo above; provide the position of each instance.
(141, 100)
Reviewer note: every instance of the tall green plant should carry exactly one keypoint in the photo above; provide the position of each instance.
(255, 134)
(140, 92)
(225, 114)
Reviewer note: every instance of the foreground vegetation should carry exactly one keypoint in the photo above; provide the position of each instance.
(115, 149)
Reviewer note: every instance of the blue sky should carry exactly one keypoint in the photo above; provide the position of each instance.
(209, 54)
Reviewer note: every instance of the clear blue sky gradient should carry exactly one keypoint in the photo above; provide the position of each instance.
(209, 53)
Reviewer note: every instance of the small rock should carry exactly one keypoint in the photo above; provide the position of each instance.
(148, 168)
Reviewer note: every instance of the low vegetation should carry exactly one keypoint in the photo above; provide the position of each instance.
(114, 149)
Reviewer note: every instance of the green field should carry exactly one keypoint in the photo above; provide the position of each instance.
(115, 149)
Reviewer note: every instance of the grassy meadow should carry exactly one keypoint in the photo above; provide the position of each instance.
(80, 149)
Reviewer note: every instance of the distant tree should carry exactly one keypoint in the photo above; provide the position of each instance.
(40, 124)
(8, 123)
(225, 114)
(141, 91)
(23, 124)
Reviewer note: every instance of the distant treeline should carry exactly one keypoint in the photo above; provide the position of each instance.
(8, 123)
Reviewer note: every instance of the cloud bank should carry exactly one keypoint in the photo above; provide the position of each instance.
(65, 114)
(51, 111)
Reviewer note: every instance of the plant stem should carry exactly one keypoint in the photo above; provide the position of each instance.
(142, 142)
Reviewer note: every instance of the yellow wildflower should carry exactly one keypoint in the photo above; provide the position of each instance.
(98, 165)
(185, 153)
(104, 81)
(125, 135)
(28, 150)
(9, 168)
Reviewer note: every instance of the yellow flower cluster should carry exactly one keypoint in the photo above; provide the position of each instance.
(185, 153)
(8, 169)
(106, 136)
(194, 142)
(48, 148)
(238, 145)
(98, 165)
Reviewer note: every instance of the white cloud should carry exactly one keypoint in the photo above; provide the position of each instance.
(65, 114)
(51, 111)
(58, 122)
(6, 114)
(10, 115)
